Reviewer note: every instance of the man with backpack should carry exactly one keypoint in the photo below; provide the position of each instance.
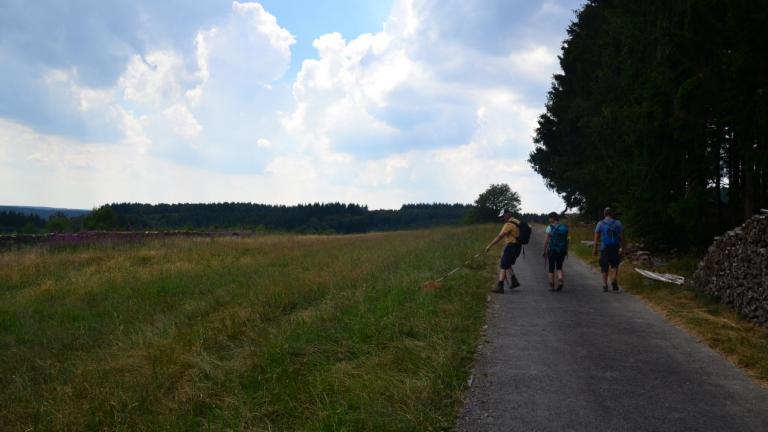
(609, 237)
(556, 249)
(516, 233)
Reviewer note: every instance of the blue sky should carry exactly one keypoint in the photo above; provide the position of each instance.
(307, 20)
(376, 102)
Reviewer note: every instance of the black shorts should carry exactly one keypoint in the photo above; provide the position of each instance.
(508, 258)
(609, 257)
(556, 261)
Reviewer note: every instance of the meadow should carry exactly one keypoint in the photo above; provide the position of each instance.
(271, 333)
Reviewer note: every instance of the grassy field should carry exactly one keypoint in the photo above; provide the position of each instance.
(274, 333)
(744, 343)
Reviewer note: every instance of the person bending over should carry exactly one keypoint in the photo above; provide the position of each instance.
(509, 233)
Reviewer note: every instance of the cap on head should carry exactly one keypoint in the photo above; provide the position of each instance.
(608, 212)
(503, 212)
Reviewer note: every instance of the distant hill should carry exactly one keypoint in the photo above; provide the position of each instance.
(43, 212)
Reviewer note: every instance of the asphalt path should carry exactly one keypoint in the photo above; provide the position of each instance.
(585, 360)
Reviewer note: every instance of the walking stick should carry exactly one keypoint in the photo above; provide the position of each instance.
(435, 284)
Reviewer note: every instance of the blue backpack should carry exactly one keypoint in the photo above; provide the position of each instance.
(610, 233)
(558, 239)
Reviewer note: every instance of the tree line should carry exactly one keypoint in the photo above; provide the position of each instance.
(11, 221)
(323, 218)
(308, 218)
(661, 110)
(304, 218)
(30, 223)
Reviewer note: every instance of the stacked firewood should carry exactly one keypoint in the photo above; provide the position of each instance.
(735, 269)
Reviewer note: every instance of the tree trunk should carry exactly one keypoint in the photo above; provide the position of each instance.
(749, 178)
(734, 186)
(749, 189)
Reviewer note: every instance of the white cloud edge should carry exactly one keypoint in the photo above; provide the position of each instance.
(165, 88)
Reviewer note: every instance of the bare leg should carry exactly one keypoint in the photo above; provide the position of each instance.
(500, 283)
(614, 274)
(615, 282)
(560, 276)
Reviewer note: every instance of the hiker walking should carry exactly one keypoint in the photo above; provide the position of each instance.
(510, 232)
(609, 237)
(556, 249)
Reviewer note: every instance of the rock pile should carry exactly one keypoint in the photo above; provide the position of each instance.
(735, 269)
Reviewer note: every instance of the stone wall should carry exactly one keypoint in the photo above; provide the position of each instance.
(735, 269)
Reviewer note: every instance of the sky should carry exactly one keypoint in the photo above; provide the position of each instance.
(379, 102)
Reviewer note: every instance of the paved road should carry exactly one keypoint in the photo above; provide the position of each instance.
(584, 360)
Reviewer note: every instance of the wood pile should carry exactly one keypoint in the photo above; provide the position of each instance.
(735, 269)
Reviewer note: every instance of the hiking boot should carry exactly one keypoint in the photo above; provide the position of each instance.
(513, 282)
(559, 287)
(605, 288)
(499, 289)
(615, 286)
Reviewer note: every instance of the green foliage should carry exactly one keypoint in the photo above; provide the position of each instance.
(103, 218)
(660, 112)
(15, 222)
(58, 223)
(305, 218)
(493, 200)
(30, 228)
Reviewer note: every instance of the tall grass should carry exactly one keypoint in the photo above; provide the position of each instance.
(273, 333)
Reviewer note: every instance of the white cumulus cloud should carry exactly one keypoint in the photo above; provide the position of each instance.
(249, 49)
(424, 108)
(181, 121)
(195, 109)
(154, 80)
(434, 106)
